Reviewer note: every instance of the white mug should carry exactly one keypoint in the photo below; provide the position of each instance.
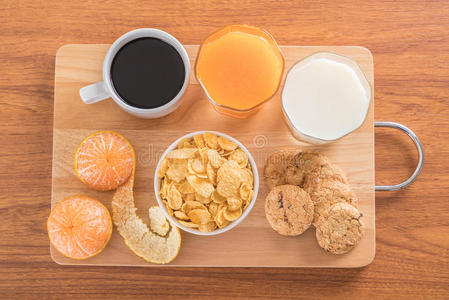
(105, 89)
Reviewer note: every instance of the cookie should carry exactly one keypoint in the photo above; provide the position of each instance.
(325, 193)
(326, 172)
(275, 167)
(340, 228)
(302, 164)
(289, 210)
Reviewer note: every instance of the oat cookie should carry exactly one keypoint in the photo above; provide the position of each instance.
(289, 210)
(340, 228)
(326, 172)
(275, 167)
(325, 193)
(302, 164)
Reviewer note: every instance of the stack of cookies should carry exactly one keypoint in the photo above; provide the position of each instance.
(306, 188)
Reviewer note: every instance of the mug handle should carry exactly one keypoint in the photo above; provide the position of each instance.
(419, 147)
(94, 92)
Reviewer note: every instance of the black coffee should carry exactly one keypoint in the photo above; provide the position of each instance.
(147, 73)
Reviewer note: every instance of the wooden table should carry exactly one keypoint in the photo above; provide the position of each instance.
(410, 44)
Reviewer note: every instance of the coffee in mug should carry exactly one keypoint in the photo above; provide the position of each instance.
(145, 71)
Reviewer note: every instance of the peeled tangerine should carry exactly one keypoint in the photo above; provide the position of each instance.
(104, 160)
(158, 244)
(79, 227)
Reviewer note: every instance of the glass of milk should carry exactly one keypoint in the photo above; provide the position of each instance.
(325, 97)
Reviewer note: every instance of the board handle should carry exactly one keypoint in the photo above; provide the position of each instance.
(94, 92)
(419, 147)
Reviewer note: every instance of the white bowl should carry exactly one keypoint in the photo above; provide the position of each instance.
(232, 224)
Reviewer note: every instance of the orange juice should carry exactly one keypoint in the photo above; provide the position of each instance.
(239, 67)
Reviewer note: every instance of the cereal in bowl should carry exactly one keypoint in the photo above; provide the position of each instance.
(206, 182)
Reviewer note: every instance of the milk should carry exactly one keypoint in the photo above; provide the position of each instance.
(325, 99)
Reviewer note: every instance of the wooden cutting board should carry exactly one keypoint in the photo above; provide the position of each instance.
(252, 243)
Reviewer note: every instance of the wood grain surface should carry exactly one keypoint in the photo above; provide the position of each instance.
(410, 45)
(252, 243)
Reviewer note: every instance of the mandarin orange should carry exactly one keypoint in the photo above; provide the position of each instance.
(79, 227)
(104, 160)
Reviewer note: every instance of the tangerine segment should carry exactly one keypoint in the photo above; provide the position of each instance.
(79, 227)
(104, 160)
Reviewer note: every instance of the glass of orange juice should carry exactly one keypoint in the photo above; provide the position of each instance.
(240, 68)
